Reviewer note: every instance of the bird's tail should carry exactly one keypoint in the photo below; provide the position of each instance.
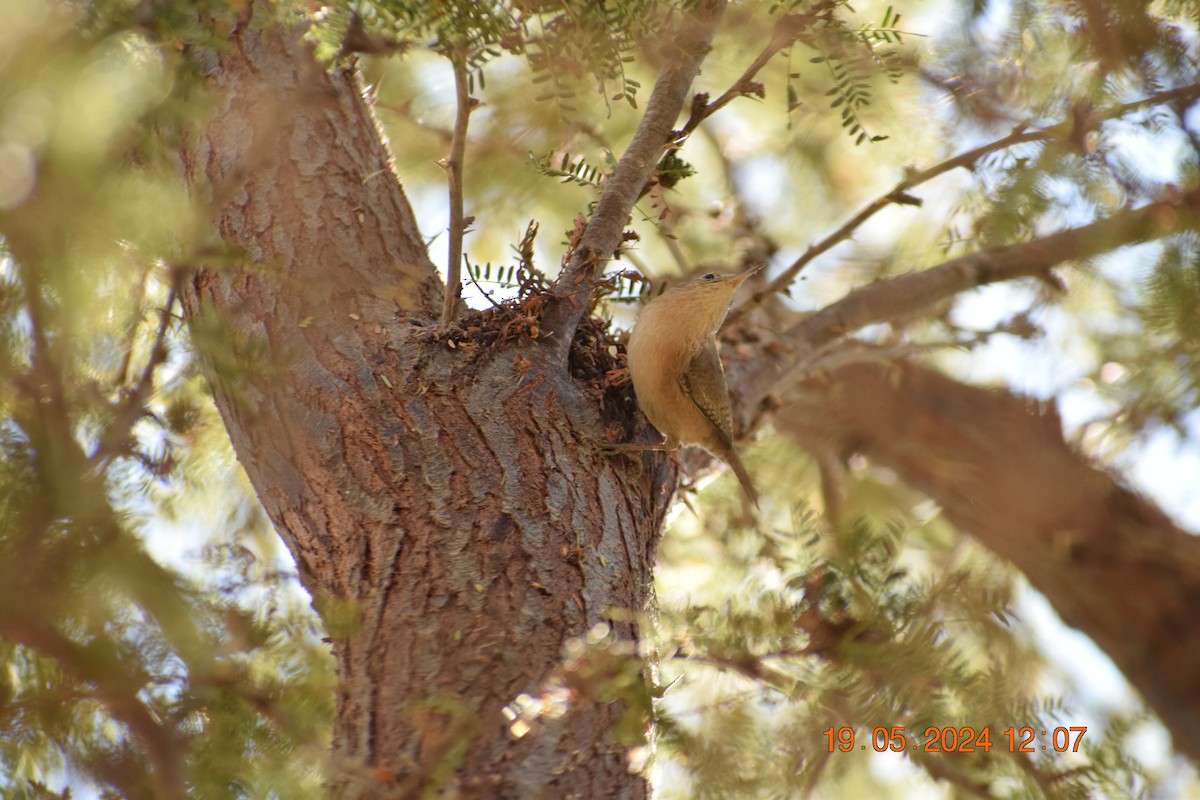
(733, 460)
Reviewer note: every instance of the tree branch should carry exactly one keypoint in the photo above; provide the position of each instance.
(454, 173)
(905, 295)
(773, 369)
(131, 408)
(1110, 562)
(899, 193)
(787, 30)
(690, 44)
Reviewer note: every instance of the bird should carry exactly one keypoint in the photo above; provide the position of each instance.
(675, 366)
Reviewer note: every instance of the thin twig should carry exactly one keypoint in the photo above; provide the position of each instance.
(487, 295)
(899, 193)
(835, 354)
(158, 352)
(727, 175)
(454, 173)
(750, 668)
(667, 231)
(787, 30)
(132, 406)
(127, 356)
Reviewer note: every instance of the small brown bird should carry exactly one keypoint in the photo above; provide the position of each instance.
(676, 368)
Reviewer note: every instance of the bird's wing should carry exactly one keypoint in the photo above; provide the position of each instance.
(704, 382)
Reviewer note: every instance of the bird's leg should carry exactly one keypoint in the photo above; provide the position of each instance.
(668, 445)
(626, 447)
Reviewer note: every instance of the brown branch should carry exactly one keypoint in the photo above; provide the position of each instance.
(1110, 562)
(691, 42)
(899, 193)
(787, 30)
(751, 668)
(806, 342)
(905, 295)
(1189, 92)
(454, 172)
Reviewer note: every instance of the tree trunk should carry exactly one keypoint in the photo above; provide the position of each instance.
(452, 526)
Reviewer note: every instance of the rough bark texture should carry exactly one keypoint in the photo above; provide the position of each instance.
(1112, 564)
(445, 515)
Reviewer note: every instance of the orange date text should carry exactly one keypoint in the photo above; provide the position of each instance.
(949, 739)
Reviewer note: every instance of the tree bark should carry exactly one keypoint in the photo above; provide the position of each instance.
(451, 523)
(1110, 563)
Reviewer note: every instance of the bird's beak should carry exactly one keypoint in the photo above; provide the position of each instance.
(737, 279)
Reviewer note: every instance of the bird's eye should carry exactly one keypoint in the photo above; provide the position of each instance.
(710, 276)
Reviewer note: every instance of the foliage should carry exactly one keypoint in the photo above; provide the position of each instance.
(853, 60)
(777, 644)
(562, 42)
(119, 671)
(1165, 388)
(577, 171)
(1031, 74)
